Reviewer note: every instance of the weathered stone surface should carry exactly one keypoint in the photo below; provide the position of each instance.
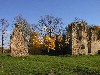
(95, 40)
(18, 45)
(82, 39)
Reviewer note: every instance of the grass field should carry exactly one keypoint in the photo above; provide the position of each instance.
(50, 65)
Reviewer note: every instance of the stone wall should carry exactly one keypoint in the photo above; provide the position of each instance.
(80, 41)
(79, 38)
(95, 40)
(18, 45)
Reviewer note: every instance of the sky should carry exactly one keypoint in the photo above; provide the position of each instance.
(31, 10)
(88, 10)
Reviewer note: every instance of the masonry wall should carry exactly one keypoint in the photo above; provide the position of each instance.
(18, 44)
(95, 42)
(84, 43)
(79, 39)
(74, 41)
(83, 40)
(95, 46)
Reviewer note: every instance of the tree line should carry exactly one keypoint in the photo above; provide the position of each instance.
(47, 36)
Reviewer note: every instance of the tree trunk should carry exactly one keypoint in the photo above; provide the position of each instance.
(2, 43)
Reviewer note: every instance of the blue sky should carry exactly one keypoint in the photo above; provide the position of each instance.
(88, 10)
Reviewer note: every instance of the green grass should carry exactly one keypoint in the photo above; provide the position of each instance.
(50, 65)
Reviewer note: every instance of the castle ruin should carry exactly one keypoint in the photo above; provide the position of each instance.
(82, 39)
(18, 45)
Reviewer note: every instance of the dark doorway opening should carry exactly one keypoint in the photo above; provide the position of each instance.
(89, 47)
(98, 51)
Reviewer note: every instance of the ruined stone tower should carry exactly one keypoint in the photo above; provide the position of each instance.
(79, 38)
(82, 39)
(18, 44)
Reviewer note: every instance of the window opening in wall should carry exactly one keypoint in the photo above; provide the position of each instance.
(98, 35)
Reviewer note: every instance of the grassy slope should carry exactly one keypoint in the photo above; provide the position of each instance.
(52, 65)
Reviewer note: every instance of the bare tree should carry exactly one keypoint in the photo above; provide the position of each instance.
(50, 25)
(24, 26)
(4, 25)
